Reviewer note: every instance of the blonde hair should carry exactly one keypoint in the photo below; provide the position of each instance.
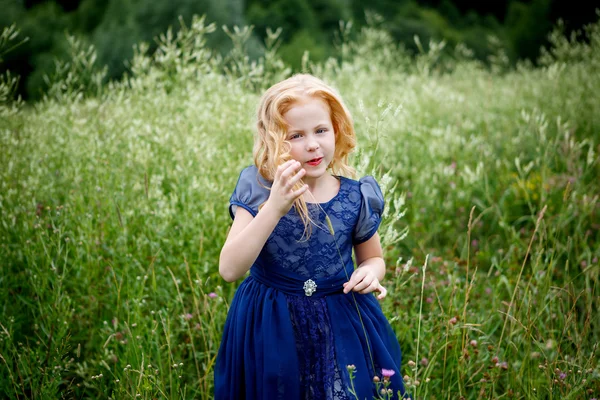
(270, 146)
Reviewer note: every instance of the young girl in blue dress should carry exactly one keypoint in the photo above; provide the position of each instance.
(304, 313)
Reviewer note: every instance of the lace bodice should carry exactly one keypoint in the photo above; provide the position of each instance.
(355, 214)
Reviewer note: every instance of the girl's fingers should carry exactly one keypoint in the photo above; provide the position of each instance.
(292, 181)
(371, 288)
(281, 169)
(354, 280)
(348, 286)
(362, 285)
(289, 172)
(383, 292)
(300, 191)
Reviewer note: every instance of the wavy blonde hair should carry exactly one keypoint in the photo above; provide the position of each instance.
(271, 148)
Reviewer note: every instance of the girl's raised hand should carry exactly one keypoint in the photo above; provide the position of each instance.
(283, 194)
(364, 281)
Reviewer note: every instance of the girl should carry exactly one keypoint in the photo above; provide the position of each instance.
(305, 319)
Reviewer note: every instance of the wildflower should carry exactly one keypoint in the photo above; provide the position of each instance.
(473, 343)
(411, 364)
(453, 320)
(212, 295)
(562, 376)
(387, 373)
(424, 362)
(376, 379)
(351, 368)
(187, 316)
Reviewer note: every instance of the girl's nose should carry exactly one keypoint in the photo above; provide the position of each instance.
(312, 145)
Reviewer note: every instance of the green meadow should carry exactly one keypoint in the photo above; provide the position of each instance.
(114, 196)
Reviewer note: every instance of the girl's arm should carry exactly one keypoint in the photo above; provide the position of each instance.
(371, 268)
(249, 234)
(245, 240)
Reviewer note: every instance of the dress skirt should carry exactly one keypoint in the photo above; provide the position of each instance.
(290, 346)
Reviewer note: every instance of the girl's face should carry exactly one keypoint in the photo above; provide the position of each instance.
(311, 136)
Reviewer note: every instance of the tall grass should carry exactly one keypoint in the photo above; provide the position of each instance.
(113, 211)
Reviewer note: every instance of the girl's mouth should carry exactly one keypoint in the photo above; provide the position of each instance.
(315, 161)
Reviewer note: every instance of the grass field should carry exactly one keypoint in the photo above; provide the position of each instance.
(113, 210)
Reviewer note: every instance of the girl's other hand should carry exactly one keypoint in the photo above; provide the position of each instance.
(282, 194)
(365, 281)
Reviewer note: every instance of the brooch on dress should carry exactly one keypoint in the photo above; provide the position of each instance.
(309, 287)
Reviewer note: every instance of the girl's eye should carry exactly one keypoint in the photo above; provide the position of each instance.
(294, 136)
(321, 130)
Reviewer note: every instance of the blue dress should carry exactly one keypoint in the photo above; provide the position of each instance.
(284, 340)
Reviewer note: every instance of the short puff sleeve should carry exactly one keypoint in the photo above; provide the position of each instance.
(249, 193)
(371, 210)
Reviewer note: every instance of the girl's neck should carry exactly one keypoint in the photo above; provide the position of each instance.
(322, 189)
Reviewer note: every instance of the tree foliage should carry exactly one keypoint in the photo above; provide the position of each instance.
(115, 26)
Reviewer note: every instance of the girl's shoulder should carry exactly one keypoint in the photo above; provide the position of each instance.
(251, 190)
(366, 194)
(252, 176)
(366, 185)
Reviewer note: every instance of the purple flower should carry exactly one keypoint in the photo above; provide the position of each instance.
(387, 373)
(503, 365)
(212, 295)
(562, 376)
(188, 316)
